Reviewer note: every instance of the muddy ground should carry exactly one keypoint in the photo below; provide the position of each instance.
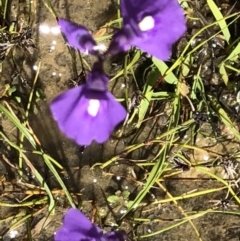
(94, 185)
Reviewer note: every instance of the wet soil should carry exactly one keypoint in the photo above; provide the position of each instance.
(92, 186)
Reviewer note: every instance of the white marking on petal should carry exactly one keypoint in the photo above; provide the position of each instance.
(93, 107)
(100, 47)
(147, 23)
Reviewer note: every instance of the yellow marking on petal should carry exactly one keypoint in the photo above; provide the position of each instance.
(93, 107)
(147, 23)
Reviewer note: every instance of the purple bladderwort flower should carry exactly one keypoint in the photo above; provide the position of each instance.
(152, 26)
(88, 112)
(77, 227)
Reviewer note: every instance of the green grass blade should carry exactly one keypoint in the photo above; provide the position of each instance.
(219, 17)
(35, 172)
(233, 56)
(47, 160)
(163, 230)
(59, 179)
(50, 7)
(130, 65)
(206, 171)
(224, 117)
(155, 173)
(147, 92)
(18, 124)
(162, 67)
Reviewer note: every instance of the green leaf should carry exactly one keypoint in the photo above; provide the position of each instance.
(125, 194)
(113, 199)
(130, 65)
(219, 17)
(48, 160)
(223, 73)
(162, 67)
(147, 92)
(12, 90)
(233, 56)
(224, 117)
(18, 124)
(131, 204)
(155, 173)
(162, 95)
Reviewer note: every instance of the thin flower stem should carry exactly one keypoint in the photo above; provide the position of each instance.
(20, 161)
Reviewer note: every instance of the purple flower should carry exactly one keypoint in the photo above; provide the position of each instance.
(77, 36)
(77, 227)
(151, 25)
(88, 112)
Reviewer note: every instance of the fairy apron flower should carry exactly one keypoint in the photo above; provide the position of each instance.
(152, 26)
(88, 112)
(77, 227)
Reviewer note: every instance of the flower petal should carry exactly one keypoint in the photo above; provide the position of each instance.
(153, 26)
(111, 113)
(97, 79)
(77, 36)
(115, 236)
(70, 110)
(77, 226)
